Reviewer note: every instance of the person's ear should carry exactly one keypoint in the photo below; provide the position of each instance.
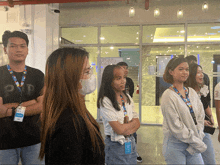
(170, 72)
(5, 50)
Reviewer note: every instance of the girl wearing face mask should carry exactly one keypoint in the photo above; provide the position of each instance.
(119, 117)
(196, 82)
(70, 135)
(183, 117)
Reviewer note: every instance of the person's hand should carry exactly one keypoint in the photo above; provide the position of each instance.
(208, 123)
(212, 120)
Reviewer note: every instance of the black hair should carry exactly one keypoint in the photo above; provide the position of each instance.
(7, 34)
(191, 58)
(191, 81)
(122, 64)
(172, 64)
(106, 87)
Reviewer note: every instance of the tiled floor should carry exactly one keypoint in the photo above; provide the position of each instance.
(149, 146)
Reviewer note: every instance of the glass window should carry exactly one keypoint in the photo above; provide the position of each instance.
(80, 35)
(120, 34)
(203, 32)
(154, 61)
(114, 51)
(163, 33)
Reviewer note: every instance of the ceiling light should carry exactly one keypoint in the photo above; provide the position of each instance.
(102, 38)
(156, 12)
(111, 47)
(205, 6)
(182, 31)
(131, 12)
(180, 13)
(137, 32)
(136, 38)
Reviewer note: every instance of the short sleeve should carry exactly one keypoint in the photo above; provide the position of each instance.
(134, 113)
(108, 112)
(217, 92)
(40, 83)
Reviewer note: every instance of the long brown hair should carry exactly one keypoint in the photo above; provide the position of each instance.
(63, 71)
(191, 81)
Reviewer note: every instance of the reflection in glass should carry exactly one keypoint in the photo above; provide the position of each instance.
(150, 109)
(203, 32)
(79, 35)
(163, 33)
(120, 34)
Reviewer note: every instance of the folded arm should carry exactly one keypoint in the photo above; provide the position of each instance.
(33, 107)
(127, 128)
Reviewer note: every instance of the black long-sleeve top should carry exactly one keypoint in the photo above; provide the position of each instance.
(63, 147)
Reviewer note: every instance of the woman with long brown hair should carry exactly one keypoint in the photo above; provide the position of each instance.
(70, 135)
(196, 81)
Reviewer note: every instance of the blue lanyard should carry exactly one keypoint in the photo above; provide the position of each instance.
(123, 104)
(187, 101)
(19, 86)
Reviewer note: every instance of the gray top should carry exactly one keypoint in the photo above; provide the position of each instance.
(178, 122)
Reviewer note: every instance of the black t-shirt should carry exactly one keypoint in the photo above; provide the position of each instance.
(26, 133)
(129, 86)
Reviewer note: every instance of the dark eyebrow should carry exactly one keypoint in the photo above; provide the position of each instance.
(18, 44)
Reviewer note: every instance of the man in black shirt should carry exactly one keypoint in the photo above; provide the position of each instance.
(129, 88)
(21, 100)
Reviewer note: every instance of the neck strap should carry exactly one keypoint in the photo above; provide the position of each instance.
(187, 102)
(19, 86)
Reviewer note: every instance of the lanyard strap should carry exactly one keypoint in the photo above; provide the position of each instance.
(187, 101)
(19, 86)
(123, 105)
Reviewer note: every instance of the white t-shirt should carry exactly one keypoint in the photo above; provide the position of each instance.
(109, 113)
(217, 92)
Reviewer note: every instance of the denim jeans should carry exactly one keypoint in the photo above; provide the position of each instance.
(29, 155)
(115, 153)
(209, 155)
(174, 152)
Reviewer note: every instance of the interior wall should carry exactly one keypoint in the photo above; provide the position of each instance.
(93, 13)
(44, 30)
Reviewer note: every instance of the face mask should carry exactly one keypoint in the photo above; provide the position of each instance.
(88, 85)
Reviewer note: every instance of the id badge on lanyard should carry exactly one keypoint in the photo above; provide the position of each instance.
(127, 145)
(19, 111)
(19, 114)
